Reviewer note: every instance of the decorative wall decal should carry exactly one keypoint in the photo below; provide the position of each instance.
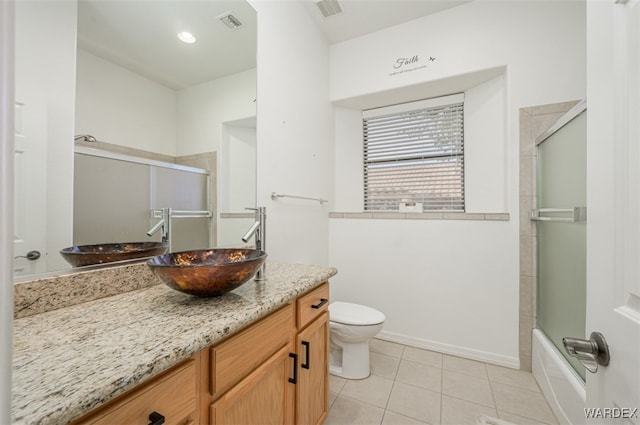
(406, 64)
(400, 62)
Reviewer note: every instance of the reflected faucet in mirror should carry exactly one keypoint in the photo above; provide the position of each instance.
(85, 138)
(258, 229)
(165, 225)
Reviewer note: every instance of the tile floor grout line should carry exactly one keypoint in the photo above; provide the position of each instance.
(386, 406)
(520, 414)
(393, 385)
(516, 386)
(493, 397)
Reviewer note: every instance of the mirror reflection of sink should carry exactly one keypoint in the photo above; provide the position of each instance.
(85, 255)
(207, 273)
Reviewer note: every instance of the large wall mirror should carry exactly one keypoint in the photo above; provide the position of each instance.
(161, 114)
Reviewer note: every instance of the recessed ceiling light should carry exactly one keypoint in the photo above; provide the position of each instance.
(186, 37)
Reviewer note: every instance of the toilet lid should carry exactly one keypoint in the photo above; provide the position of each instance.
(354, 314)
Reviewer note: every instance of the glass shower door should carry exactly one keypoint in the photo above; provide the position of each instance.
(561, 234)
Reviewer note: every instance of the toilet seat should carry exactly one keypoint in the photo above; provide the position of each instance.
(354, 314)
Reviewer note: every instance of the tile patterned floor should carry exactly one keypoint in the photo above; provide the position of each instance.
(409, 386)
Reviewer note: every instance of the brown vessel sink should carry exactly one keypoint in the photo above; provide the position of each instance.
(207, 273)
(85, 255)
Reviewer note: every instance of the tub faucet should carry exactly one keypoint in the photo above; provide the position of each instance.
(85, 138)
(258, 228)
(164, 224)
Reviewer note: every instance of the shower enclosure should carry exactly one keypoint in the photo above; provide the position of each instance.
(560, 219)
(561, 231)
(118, 198)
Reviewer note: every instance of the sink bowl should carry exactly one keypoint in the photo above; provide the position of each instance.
(207, 273)
(85, 255)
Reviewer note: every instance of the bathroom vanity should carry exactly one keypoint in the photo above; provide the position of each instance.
(257, 354)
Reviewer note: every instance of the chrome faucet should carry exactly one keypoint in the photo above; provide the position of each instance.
(85, 138)
(258, 228)
(165, 225)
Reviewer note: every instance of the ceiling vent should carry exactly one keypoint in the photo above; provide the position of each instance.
(231, 21)
(328, 7)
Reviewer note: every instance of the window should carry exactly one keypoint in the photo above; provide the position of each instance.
(414, 152)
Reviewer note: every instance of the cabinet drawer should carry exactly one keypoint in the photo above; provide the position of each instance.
(312, 305)
(235, 358)
(172, 395)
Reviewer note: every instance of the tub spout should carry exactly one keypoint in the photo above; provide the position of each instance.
(85, 138)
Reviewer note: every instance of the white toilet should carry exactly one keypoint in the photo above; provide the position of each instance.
(351, 328)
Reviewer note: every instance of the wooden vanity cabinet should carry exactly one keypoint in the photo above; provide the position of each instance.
(275, 371)
(290, 382)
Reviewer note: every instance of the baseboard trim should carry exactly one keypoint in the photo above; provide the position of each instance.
(454, 350)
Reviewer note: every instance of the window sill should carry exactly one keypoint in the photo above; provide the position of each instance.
(422, 216)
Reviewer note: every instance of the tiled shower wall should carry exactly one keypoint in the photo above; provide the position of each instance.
(534, 121)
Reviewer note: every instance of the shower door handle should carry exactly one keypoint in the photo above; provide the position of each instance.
(590, 352)
(577, 214)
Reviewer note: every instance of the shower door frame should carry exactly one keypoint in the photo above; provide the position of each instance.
(559, 219)
(534, 121)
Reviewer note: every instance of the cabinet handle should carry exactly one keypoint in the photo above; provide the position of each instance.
(156, 418)
(294, 380)
(322, 302)
(306, 346)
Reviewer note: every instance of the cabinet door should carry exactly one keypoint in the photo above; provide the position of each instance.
(266, 396)
(312, 395)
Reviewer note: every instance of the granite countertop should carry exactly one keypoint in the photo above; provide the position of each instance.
(68, 361)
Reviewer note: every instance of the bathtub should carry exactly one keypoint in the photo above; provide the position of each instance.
(562, 387)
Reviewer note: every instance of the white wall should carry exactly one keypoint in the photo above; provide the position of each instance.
(45, 67)
(209, 118)
(294, 130)
(205, 107)
(121, 107)
(237, 173)
(237, 181)
(452, 285)
(7, 77)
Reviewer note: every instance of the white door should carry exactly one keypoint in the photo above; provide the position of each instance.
(30, 213)
(613, 199)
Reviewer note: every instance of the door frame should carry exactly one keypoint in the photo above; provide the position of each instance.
(613, 198)
(7, 87)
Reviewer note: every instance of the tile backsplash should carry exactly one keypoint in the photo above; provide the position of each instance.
(51, 293)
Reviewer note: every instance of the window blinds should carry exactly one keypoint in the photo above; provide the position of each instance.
(414, 152)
